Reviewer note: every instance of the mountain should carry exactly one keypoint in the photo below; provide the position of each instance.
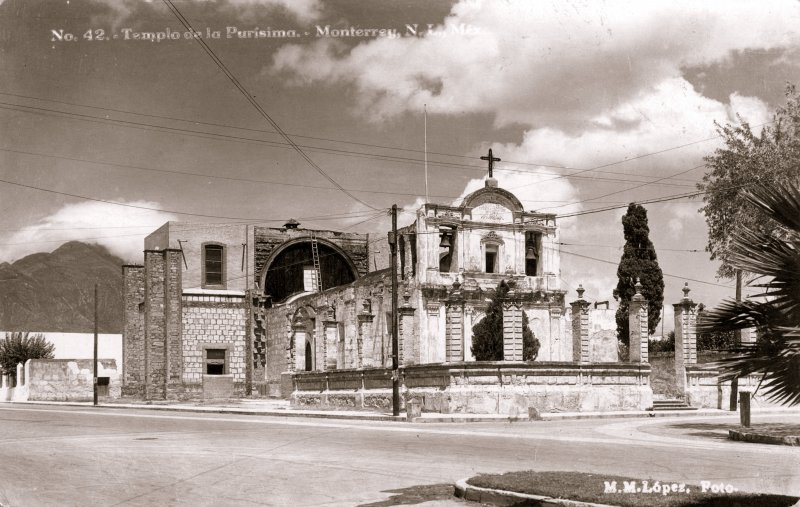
(55, 291)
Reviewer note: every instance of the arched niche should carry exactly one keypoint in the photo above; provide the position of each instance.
(285, 271)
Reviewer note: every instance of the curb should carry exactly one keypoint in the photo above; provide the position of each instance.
(226, 410)
(759, 438)
(428, 419)
(502, 497)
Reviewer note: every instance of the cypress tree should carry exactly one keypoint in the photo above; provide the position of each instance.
(487, 335)
(638, 260)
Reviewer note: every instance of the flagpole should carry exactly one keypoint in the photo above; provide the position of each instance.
(426, 153)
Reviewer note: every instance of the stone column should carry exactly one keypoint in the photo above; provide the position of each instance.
(512, 328)
(469, 313)
(555, 335)
(173, 321)
(299, 331)
(21, 380)
(408, 353)
(580, 328)
(685, 336)
(133, 344)
(432, 332)
(637, 327)
(330, 339)
(454, 339)
(155, 325)
(365, 319)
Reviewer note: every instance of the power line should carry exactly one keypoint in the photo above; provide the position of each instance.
(32, 187)
(348, 153)
(247, 95)
(627, 189)
(665, 274)
(340, 141)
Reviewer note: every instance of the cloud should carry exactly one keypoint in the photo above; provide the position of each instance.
(120, 229)
(535, 63)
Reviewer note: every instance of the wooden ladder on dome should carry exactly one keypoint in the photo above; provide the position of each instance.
(315, 256)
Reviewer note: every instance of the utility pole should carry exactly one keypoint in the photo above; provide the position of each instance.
(737, 340)
(395, 347)
(94, 362)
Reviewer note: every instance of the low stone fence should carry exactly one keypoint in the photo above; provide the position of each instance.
(704, 389)
(63, 380)
(482, 388)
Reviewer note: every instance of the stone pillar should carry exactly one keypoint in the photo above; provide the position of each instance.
(330, 340)
(685, 336)
(21, 380)
(512, 328)
(133, 343)
(173, 321)
(299, 332)
(155, 333)
(555, 335)
(5, 382)
(432, 332)
(580, 328)
(637, 327)
(408, 353)
(364, 327)
(454, 334)
(469, 313)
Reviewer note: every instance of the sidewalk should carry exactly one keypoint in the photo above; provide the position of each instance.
(281, 408)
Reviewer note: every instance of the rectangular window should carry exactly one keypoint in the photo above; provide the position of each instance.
(215, 361)
(213, 264)
(309, 279)
(491, 259)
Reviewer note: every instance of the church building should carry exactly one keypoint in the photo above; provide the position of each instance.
(219, 309)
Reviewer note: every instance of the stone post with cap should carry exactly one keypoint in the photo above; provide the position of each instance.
(637, 327)
(685, 336)
(580, 328)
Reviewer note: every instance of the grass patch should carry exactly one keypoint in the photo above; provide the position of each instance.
(592, 488)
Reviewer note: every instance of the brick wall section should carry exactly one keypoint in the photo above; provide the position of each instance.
(512, 331)
(155, 325)
(269, 239)
(213, 321)
(133, 330)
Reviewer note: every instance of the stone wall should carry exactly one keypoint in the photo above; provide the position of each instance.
(347, 325)
(133, 348)
(69, 379)
(216, 322)
(483, 388)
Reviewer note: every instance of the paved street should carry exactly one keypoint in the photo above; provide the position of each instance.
(52, 455)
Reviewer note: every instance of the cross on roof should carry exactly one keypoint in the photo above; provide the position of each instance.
(492, 159)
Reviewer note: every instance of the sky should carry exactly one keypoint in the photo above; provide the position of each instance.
(113, 118)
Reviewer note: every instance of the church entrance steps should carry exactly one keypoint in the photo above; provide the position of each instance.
(674, 404)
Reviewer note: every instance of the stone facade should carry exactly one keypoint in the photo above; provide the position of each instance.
(173, 315)
(213, 322)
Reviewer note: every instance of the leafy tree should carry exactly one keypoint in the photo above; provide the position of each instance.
(18, 347)
(638, 260)
(773, 256)
(713, 340)
(745, 160)
(487, 335)
(663, 345)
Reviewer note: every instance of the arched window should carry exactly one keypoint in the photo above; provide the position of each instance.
(213, 265)
(309, 357)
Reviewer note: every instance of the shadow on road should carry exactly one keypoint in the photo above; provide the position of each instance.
(415, 495)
